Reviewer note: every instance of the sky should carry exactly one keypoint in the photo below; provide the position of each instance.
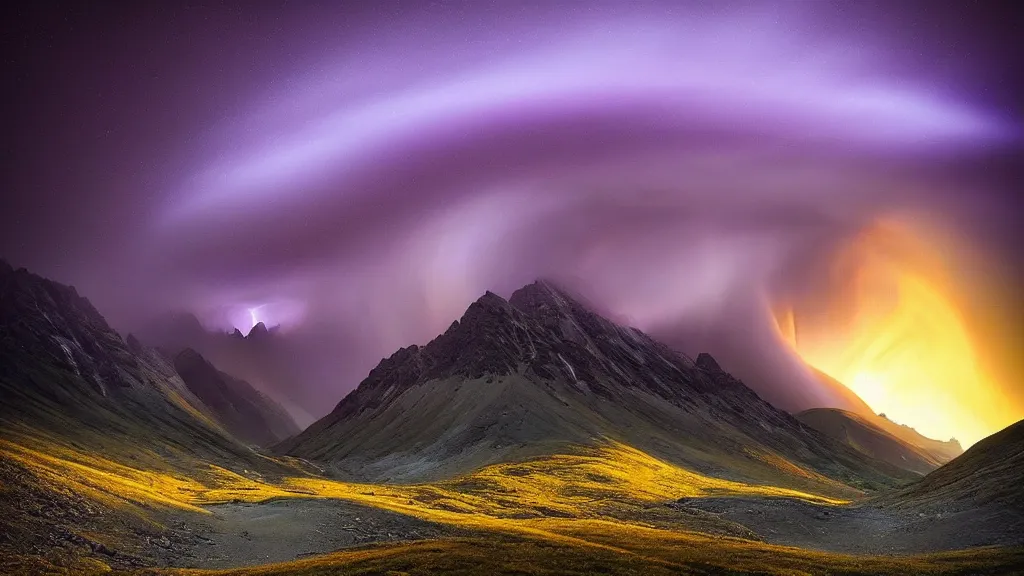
(835, 183)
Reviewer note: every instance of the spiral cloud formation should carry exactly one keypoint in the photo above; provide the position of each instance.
(764, 181)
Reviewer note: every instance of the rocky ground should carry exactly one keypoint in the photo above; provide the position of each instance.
(280, 530)
(859, 529)
(42, 518)
(49, 520)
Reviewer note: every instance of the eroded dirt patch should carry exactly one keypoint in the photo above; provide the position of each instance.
(863, 529)
(281, 530)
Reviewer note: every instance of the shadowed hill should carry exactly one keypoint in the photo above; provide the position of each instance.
(541, 373)
(937, 450)
(987, 475)
(941, 451)
(289, 369)
(864, 436)
(66, 376)
(98, 434)
(978, 496)
(243, 411)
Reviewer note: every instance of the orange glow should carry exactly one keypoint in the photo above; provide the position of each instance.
(893, 333)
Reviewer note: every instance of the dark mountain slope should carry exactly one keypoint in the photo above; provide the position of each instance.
(989, 474)
(864, 436)
(242, 410)
(289, 368)
(977, 499)
(937, 450)
(541, 373)
(67, 377)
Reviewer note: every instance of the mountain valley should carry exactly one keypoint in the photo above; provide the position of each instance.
(533, 436)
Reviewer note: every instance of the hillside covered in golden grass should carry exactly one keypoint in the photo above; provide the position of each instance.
(596, 510)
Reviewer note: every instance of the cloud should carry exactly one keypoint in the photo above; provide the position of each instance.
(362, 177)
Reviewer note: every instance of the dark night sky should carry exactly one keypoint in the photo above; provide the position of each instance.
(363, 171)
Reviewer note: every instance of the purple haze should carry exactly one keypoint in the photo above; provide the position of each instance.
(360, 173)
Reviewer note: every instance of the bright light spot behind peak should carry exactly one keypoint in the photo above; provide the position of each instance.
(897, 338)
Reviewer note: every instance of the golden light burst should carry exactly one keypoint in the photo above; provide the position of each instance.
(893, 332)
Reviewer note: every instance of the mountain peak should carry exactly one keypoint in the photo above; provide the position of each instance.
(490, 299)
(259, 330)
(540, 371)
(134, 344)
(190, 357)
(538, 295)
(486, 309)
(708, 363)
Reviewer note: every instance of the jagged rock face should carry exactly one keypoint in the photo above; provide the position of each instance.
(241, 409)
(545, 334)
(52, 324)
(540, 372)
(64, 370)
(707, 363)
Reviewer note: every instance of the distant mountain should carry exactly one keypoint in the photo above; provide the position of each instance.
(541, 373)
(936, 450)
(941, 451)
(243, 411)
(66, 376)
(864, 436)
(291, 369)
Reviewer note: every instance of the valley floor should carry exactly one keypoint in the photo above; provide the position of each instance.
(249, 534)
(611, 510)
(861, 529)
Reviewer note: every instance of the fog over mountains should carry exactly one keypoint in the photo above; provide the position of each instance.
(525, 411)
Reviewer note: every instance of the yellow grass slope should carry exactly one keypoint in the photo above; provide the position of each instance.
(597, 510)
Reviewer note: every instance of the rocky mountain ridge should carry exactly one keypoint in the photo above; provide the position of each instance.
(542, 372)
(66, 375)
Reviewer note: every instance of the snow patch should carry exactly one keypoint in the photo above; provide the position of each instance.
(571, 371)
(66, 345)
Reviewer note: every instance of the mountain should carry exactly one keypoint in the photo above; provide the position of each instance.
(866, 437)
(540, 374)
(67, 377)
(979, 493)
(935, 450)
(941, 451)
(101, 441)
(243, 411)
(291, 369)
(987, 475)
